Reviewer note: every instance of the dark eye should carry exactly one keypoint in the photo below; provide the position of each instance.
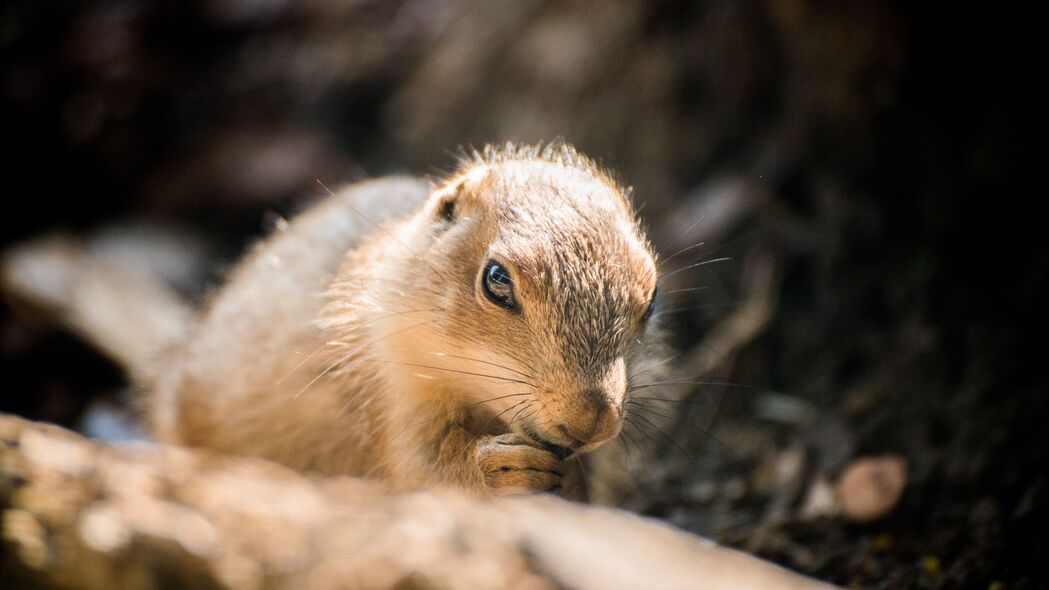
(650, 308)
(497, 284)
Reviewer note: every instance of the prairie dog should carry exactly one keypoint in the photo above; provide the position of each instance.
(473, 332)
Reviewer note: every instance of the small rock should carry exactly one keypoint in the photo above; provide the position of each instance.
(871, 487)
(820, 500)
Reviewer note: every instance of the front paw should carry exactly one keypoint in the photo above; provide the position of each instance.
(512, 464)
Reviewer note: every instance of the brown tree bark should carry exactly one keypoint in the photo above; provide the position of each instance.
(77, 514)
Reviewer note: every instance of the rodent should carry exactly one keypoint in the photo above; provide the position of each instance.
(472, 332)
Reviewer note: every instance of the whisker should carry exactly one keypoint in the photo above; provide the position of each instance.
(664, 435)
(319, 348)
(436, 368)
(704, 429)
(708, 305)
(301, 363)
(492, 399)
(686, 290)
(518, 412)
(499, 415)
(629, 437)
(343, 358)
(529, 415)
(640, 408)
(680, 252)
(693, 226)
(688, 382)
(651, 440)
(454, 410)
(357, 326)
(672, 401)
(744, 237)
(691, 266)
(706, 432)
(653, 367)
(466, 358)
(451, 378)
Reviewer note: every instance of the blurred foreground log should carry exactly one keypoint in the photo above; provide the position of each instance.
(77, 514)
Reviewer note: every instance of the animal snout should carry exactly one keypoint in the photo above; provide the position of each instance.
(592, 419)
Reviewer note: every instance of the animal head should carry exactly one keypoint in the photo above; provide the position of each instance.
(546, 287)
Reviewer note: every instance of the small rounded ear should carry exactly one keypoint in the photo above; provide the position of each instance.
(446, 203)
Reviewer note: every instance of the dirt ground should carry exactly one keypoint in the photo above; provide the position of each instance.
(868, 170)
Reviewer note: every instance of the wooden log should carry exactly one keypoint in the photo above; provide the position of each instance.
(78, 514)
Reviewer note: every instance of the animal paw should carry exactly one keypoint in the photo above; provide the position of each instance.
(511, 464)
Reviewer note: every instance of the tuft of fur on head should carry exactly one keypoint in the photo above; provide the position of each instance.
(557, 365)
(557, 153)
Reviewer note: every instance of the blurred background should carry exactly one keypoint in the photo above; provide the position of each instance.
(867, 167)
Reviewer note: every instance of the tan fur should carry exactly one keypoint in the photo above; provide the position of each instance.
(357, 339)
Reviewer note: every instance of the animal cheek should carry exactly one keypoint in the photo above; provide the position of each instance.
(614, 382)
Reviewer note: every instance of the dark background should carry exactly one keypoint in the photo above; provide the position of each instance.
(869, 167)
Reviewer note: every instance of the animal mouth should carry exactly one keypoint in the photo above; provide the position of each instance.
(561, 452)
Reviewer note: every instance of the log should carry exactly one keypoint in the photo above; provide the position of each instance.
(79, 514)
